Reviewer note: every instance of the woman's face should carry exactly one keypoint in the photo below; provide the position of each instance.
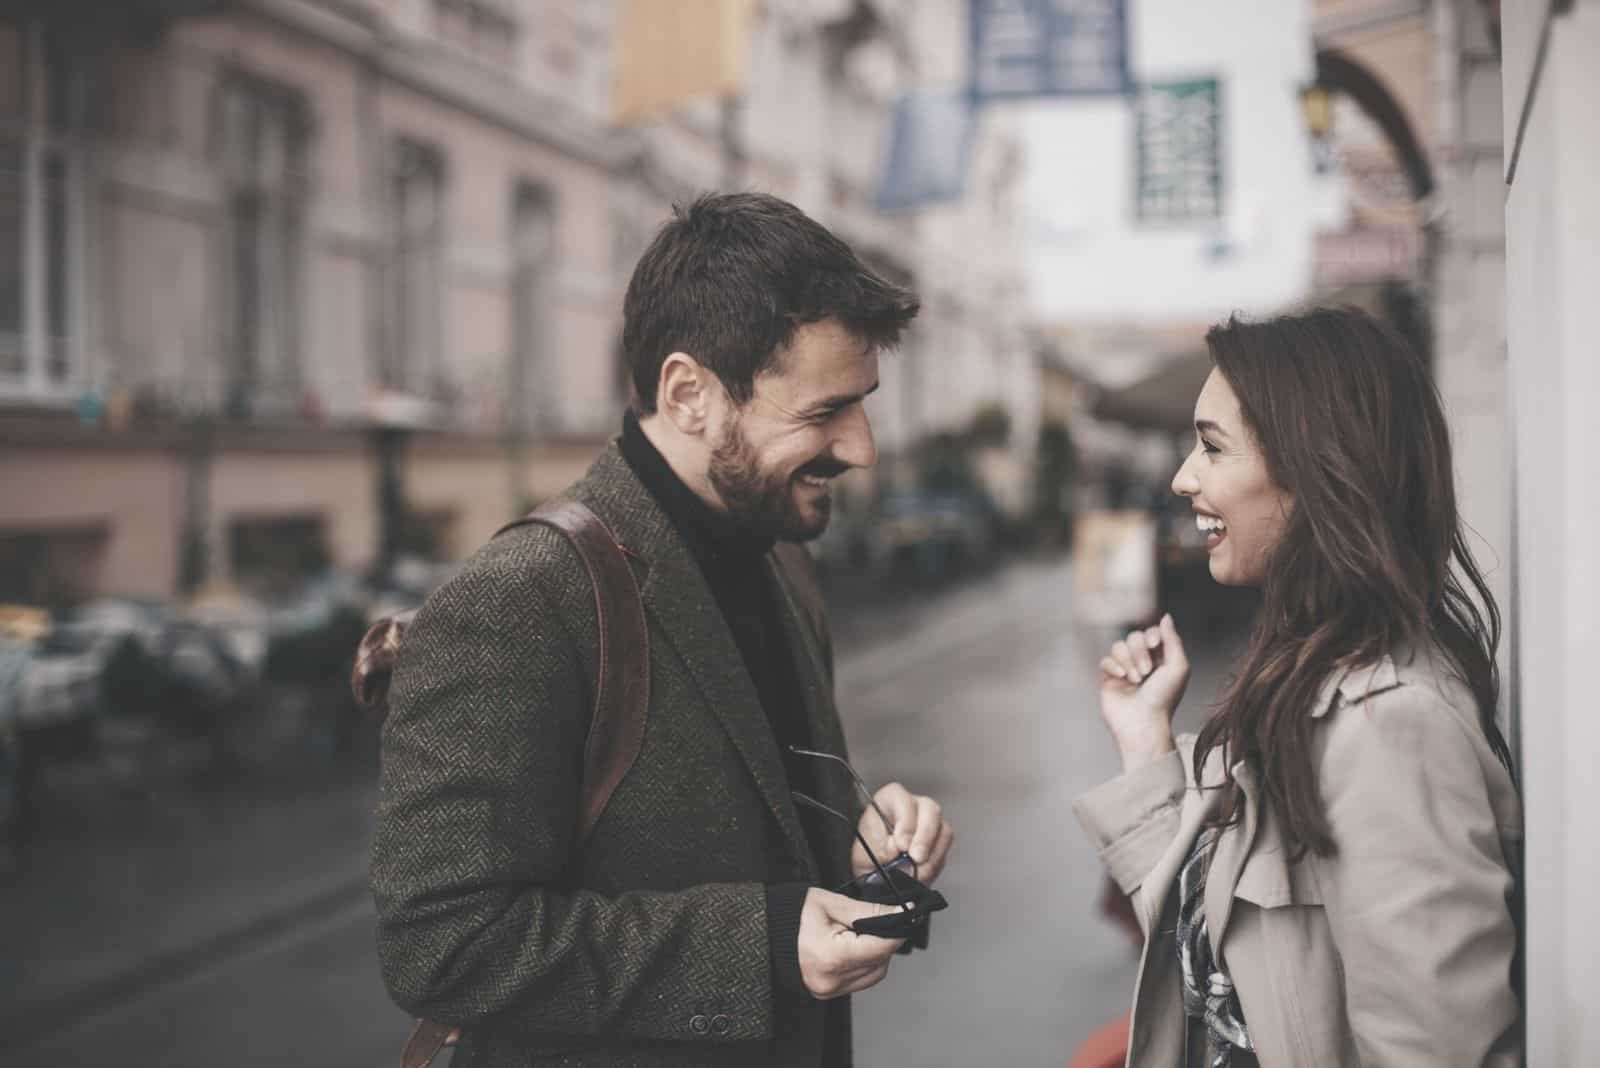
(1237, 505)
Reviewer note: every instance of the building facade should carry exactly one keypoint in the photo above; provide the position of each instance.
(276, 258)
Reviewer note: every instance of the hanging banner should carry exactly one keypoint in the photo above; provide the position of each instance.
(1034, 48)
(669, 53)
(930, 143)
(1179, 132)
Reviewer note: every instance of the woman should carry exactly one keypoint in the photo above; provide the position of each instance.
(1325, 873)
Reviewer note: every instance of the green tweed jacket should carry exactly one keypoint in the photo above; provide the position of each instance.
(649, 945)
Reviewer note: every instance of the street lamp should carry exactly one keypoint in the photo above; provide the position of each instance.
(1316, 104)
(393, 417)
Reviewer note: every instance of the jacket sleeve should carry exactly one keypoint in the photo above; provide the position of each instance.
(1133, 819)
(1417, 895)
(482, 755)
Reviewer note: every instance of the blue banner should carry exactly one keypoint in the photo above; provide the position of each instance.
(930, 143)
(1034, 48)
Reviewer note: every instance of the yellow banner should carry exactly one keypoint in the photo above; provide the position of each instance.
(669, 52)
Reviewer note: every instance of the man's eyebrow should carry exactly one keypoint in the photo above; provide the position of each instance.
(842, 400)
(1206, 426)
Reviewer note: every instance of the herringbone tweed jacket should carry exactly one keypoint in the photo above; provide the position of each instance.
(649, 946)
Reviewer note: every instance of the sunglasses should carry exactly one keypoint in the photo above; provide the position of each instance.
(894, 883)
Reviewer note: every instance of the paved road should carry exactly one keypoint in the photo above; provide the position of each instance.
(261, 952)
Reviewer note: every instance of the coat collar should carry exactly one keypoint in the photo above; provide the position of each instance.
(677, 595)
(1352, 685)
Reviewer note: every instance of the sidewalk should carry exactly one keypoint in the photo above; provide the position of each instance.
(114, 896)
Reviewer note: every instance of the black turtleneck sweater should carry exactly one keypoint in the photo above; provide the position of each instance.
(733, 562)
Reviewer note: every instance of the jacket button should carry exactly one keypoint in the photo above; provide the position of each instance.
(719, 1025)
(700, 1024)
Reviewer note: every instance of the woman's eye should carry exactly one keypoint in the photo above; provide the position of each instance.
(1208, 447)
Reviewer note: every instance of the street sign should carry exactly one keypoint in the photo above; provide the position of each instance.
(1179, 132)
(1034, 48)
(930, 143)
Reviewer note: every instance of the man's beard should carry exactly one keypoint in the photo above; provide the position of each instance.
(762, 502)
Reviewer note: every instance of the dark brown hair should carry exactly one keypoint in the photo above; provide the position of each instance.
(729, 279)
(1372, 554)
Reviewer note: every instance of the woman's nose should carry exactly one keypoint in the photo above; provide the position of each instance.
(1184, 484)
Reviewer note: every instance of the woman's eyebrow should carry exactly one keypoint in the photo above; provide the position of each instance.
(1206, 426)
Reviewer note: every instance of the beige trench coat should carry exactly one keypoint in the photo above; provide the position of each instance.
(1398, 950)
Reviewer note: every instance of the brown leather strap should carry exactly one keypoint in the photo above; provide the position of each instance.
(621, 693)
(425, 1042)
(622, 688)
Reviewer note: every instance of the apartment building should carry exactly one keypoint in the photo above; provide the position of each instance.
(280, 261)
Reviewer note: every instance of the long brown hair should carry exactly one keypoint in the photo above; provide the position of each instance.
(1372, 554)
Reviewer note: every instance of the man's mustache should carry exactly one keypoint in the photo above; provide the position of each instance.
(823, 467)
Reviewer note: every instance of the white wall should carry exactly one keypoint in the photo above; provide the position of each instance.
(1089, 258)
(1552, 267)
(1470, 281)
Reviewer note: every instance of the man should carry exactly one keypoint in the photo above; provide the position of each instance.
(693, 927)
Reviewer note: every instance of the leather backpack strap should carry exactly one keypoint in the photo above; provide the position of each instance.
(621, 694)
(622, 688)
(427, 1039)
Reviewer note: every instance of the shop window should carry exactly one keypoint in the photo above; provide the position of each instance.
(55, 567)
(276, 554)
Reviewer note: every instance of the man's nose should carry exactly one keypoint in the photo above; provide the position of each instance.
(854, 444)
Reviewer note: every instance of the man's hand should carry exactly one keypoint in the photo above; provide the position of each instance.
(920, 829)
(834, 960)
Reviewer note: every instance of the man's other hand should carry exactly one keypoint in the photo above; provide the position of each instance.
(834, 960)
(920, 829)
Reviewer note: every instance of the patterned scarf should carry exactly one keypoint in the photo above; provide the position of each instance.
(1208, 994)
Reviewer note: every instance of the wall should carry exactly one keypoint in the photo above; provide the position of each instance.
(1552, 264)
(1469, 285)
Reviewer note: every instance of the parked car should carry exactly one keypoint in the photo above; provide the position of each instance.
(931, 533)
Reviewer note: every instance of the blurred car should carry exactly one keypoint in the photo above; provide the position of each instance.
(933, 532)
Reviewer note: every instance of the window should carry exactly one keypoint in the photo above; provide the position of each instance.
(53, 567)
(531, 387)
(277, 554)
(42, 97)
(486, 29)
(412, 363)
(264, 141)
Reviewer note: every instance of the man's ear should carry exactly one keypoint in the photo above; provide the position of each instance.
(686, 393)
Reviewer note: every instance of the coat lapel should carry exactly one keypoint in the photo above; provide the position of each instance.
(677, 597)
(1228, 862)
(822, 720)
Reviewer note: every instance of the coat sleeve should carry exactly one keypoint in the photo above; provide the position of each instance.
(1417, 895)
(482, 755)
(1133, 819)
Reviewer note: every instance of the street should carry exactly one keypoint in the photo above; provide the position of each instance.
(210, 929)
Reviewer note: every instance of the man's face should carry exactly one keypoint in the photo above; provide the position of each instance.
(775, 458)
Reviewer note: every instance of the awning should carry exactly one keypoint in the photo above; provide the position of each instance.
(1161, 400)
